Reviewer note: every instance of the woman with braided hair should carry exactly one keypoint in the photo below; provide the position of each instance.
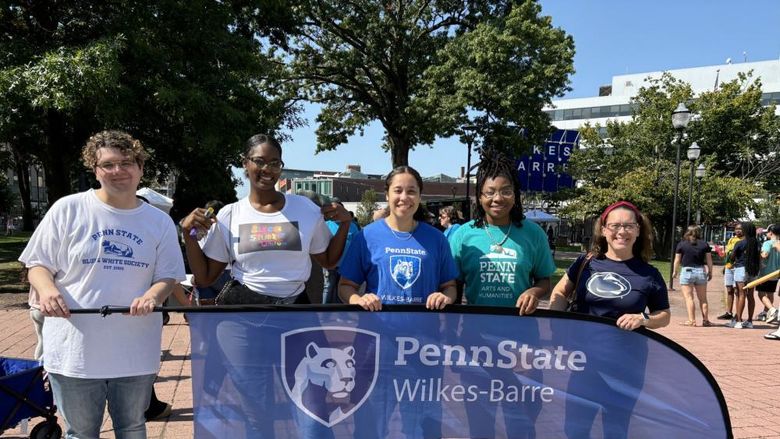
(747, 263)
(504, 260)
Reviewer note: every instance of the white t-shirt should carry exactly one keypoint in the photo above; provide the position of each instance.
(270, 250)
(101, 255)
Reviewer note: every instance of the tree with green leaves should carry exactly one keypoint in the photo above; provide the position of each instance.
(366, 208)
(424, 69)
(636, 160)
(189, 79)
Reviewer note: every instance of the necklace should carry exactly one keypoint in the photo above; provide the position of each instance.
(404, 236)
(497, 247)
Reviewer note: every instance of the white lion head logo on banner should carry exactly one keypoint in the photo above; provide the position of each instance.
(333, 369)
(327, 383)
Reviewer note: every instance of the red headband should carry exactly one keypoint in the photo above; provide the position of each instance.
(625, 204)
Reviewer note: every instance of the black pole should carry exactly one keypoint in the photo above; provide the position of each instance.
(698, 201)
(674, 211)
(468, 180)
(690, 196)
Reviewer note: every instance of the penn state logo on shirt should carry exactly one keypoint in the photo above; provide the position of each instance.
(405, 270)
(116, 248)
(329, 371)
(608, 285)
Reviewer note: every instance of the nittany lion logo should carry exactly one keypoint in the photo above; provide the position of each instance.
(608, 285)
(405, 270)
(323, 373)
(117, 249)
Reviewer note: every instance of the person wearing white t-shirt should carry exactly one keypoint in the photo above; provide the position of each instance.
(268, 238)
(271, 234)
(97, 248)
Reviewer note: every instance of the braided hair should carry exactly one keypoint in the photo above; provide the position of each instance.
(494, 164)
(752, 249)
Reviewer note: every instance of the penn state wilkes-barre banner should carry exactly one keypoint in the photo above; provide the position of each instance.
(472, 373)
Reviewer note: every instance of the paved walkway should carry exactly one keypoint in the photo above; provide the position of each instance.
(742, 361)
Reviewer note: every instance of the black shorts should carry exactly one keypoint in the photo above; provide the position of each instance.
(767, 287)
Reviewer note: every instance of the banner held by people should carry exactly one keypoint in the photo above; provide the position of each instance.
(473, 372)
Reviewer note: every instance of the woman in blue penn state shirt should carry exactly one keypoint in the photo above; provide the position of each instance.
(618, 282)
(402, 259)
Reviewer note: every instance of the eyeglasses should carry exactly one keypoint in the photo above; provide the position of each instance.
(274, 165)
(505, 193)
(628, 227)
(110, 166)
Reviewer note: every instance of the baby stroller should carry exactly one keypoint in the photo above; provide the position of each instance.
(25, 394)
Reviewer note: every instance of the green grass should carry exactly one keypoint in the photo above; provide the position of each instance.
(10, 269)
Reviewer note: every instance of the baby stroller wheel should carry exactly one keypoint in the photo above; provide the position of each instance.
(46, 430)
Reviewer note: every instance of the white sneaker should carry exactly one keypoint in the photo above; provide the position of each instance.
(737, 325)
(771, 315)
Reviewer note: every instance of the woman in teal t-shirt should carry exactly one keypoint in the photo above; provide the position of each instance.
(504, 258)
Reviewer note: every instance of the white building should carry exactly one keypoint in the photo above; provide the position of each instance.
(614, 100)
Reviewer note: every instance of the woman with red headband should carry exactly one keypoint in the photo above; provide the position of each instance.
(616, 281)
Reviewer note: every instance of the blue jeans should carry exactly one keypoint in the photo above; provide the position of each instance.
(332, 287)
(693, 276)
(82, 401)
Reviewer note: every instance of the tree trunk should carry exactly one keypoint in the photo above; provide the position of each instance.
(399, 150)
(55, 158)
(23, 177)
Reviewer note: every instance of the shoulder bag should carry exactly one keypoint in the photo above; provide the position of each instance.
(571, 299)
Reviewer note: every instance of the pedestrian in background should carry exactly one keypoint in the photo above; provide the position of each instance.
(694, 254)
(747, 259)
(728, 274)
(770, 258)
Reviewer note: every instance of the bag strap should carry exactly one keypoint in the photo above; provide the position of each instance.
(573, 295)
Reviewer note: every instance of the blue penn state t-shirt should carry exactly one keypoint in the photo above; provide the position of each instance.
(399, 267)
(609, 288)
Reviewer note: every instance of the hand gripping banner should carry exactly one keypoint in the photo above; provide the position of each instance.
(471, 372)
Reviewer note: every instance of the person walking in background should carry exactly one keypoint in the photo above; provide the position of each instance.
(696, 258)
(96, 248)
(770, 257)
(747, 259)
(728, 274)
(449, 220)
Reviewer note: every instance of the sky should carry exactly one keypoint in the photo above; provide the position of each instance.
(611, 37)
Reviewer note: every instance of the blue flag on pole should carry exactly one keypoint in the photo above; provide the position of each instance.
(475, 372)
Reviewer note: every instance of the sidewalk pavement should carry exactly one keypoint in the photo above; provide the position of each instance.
(741, 360)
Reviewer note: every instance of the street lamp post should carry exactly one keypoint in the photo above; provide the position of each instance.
(700, 171)
(680, 118)
(693, 154)
(468, 134)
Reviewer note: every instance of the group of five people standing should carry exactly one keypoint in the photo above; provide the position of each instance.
(105, 247)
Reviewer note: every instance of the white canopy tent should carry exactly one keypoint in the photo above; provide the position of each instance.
(156, 199)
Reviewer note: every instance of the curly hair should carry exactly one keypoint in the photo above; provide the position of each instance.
(494, 164)
(120, 140)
